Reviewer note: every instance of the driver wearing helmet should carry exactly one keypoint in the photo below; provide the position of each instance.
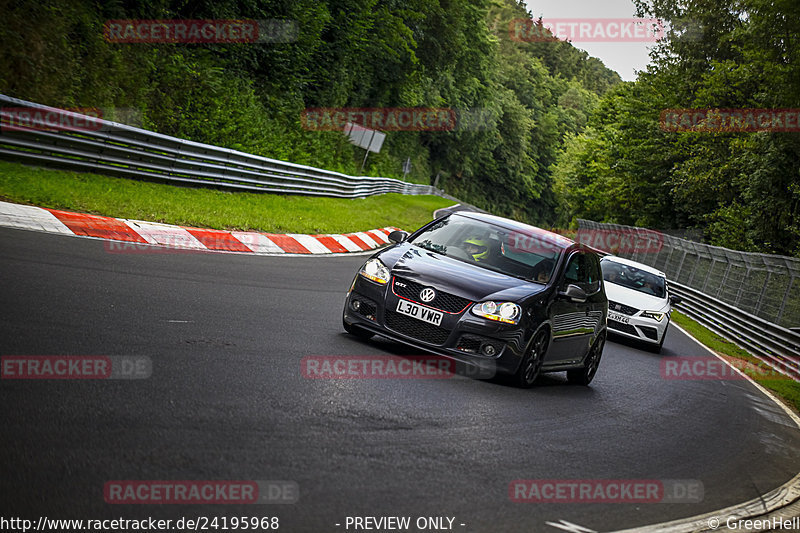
(477, 248)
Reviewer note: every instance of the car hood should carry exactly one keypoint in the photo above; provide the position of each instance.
(457, 277)
(639, 300)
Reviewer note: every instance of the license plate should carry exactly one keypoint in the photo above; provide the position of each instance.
(619, 318)
(420, 313)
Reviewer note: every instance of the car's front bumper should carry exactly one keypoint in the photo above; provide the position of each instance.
(644, 329)
(486, 347)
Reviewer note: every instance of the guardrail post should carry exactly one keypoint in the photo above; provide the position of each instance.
(680, 265)
(785, 298)
(724, 280)
(763, 293)
(669, 258)
(690, 277)
(741, 285)
(708, 274)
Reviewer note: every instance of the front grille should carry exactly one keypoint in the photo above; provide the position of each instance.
(649, 332)
(444, 301)
(619, 326)
(622, 308)
(416, 328)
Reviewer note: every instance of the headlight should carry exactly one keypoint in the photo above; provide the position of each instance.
(375, 271)
(654, 315)
(507, 312)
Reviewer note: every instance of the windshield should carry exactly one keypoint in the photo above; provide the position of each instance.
(633, 278)
(530, 255)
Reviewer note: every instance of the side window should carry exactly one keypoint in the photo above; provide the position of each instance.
(584, 271)
(595, 273)
(571, 273)
(577, 271)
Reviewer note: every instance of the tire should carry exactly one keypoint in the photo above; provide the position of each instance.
(585, 375)
(531, 364)
(357, 331)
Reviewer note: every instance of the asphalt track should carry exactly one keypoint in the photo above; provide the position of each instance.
(227, 401)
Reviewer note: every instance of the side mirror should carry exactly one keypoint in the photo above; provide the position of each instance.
(398, 236)
(675, 299)
(574, 294)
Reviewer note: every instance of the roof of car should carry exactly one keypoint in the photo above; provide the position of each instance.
(628, 262)
(526, 229)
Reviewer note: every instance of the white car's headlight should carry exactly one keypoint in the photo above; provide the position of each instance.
(375, 271)
(507, 312)
(655, 315)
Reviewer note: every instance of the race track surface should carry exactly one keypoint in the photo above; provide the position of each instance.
(227, 400)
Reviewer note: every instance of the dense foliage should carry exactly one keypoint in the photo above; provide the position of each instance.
(520, 98)
(742, 189)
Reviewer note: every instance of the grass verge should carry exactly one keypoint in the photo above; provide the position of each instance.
(210, 208)
(783, 387)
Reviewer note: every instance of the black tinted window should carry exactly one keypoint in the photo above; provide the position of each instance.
(584, 271)
(595, 272)
(577, 271)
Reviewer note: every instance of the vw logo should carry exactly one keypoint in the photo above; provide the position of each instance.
(427, 294)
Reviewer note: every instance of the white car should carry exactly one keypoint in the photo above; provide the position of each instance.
(639, 303)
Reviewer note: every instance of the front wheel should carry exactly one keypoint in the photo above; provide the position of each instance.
(532, 361)
(585, 375)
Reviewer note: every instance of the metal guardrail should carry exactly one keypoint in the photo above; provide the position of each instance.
(764, 285)
(107, 147)
(681, 260)
(776, 346)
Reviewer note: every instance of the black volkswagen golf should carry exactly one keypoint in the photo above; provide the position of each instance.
(493, 293)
